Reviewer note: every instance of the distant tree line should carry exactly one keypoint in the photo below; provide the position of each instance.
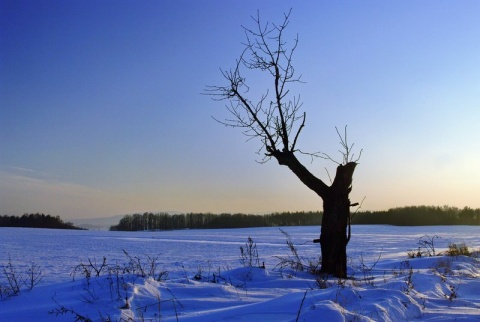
(165, 221)
(35, 221)
(420, 216)
(404, 216)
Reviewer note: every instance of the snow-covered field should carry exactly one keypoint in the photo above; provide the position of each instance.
(198, 276)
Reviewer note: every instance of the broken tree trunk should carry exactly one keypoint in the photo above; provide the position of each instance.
(334, 234)
(336, 211)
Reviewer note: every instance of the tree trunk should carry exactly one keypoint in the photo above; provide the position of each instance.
(334, 235)
(336, 211)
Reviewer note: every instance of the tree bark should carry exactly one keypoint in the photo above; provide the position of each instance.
(290, 160)
(336, 219)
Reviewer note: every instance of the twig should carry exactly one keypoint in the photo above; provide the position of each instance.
(301, 304)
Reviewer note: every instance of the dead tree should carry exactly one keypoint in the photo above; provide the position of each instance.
(276, 120)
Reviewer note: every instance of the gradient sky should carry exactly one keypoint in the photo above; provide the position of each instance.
(101, 111)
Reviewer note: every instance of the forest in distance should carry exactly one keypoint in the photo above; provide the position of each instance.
(402, 216)
(35, 221)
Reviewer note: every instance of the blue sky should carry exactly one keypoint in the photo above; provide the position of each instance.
(101, 111)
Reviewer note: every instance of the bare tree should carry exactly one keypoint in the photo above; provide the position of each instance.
(276, 120)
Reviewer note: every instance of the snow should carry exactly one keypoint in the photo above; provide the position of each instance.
(198, 276)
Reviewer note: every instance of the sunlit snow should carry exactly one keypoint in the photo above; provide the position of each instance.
(198, 276)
